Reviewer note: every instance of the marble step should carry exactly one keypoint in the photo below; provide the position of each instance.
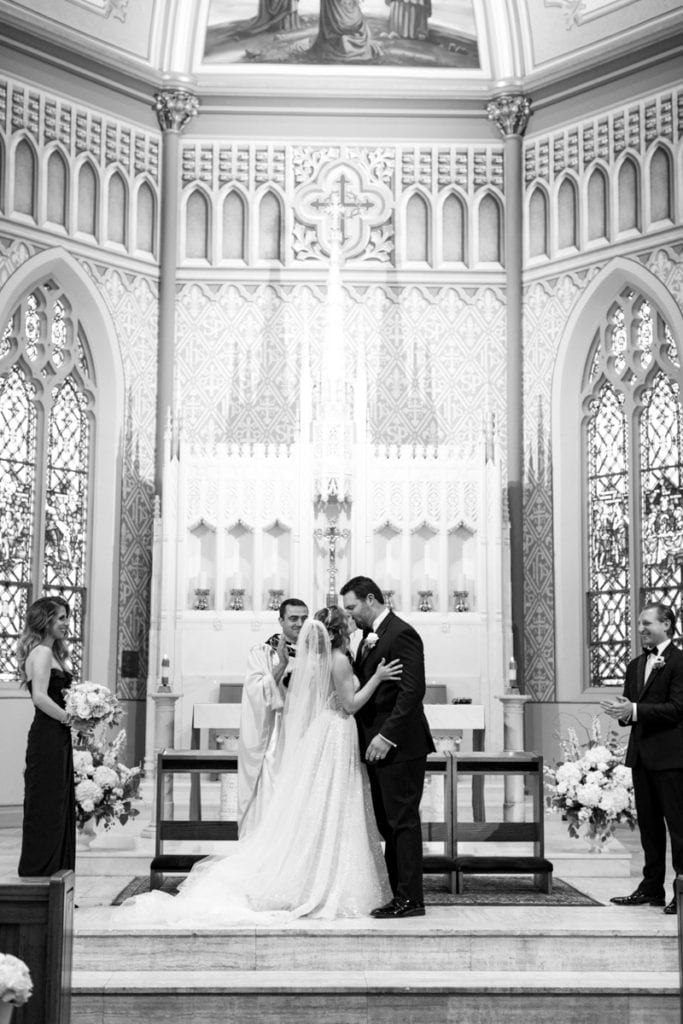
(603, 945)
(374, 997)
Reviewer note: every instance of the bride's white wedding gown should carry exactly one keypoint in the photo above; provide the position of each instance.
(316, 851)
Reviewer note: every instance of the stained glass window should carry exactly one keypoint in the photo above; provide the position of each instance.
(633, 443)
(46, 426)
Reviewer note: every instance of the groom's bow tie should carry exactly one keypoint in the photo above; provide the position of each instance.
(649, 650)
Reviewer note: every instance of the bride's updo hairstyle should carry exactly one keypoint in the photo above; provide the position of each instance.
(335, 621)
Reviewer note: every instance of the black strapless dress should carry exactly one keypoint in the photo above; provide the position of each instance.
(49, 833)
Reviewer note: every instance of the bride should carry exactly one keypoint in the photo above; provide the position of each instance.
(316, 851)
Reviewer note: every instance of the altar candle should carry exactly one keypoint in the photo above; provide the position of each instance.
(202, 583)
(239, 582)
(460, 582)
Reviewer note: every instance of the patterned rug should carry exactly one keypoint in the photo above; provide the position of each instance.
(480, 891)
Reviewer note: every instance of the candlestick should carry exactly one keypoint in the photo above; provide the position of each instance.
(165, 669)
(237, 602)
(275, 598)
(425, 604)
(461, 604)
(201, 599)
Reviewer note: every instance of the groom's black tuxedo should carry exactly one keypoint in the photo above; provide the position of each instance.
(395, 711)
(655, 756)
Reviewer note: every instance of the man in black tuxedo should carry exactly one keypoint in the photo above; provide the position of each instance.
(652, 705)
(394, 740)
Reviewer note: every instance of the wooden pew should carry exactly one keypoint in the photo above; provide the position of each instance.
(36, 925)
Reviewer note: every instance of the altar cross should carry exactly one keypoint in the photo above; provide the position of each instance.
(340, 204)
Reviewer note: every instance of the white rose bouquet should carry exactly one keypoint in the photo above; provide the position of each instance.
(592, 788)
(105, 786)
(92, 702)
(15, 980)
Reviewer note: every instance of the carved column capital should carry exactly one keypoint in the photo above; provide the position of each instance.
(175, 107)
(510, 112)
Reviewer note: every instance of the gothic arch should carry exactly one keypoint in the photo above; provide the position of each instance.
(101, 635)
(572, 355)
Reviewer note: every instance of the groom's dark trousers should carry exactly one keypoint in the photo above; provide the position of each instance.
(395, 712)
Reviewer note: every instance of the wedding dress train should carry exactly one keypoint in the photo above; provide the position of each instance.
(316, 851)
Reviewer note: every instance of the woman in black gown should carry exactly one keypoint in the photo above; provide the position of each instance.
(49, 832)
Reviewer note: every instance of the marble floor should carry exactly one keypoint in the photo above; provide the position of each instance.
(471, 964)
(116, 857)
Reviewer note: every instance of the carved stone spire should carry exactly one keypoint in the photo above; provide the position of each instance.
(175, 107)
(511, 113)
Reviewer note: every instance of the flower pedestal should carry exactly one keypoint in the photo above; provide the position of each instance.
(597, 841)
(5, 1012)
(85, 835)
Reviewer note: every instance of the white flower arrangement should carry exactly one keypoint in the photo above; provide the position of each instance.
(370, 640)
(105, 786)
(15, 980)
(92, 702)
(592, 788)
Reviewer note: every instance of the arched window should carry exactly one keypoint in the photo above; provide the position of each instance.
(489, 231)
(629, 196)
(567, 223)
(270, 228)
(538, 223)
(234, 227)
(25, 179)
(197, 227)
(417, 230)
(56, 189)
(146, 218)
(660, 185)
(453, 230)
(87, 200)
(597, 206)
(47, 398)
(633, 457)
(117, 210)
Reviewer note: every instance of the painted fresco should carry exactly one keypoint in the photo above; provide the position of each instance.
(419, 33)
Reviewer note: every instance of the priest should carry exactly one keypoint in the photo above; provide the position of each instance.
(269, 668)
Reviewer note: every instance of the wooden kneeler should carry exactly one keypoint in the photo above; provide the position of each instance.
(505, 763)
(193, 762)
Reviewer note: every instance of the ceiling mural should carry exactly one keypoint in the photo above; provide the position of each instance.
(417, 33)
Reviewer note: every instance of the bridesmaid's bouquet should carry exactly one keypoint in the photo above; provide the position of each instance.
(93, 703)
(15, 981)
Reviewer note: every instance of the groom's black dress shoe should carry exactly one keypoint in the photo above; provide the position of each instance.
(638, 899)
(400, 906)
(670, 908)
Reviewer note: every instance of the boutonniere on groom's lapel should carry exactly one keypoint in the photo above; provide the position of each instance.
(659, 662)
(370, 640)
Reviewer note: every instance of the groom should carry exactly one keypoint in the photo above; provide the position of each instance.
(394, 740)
